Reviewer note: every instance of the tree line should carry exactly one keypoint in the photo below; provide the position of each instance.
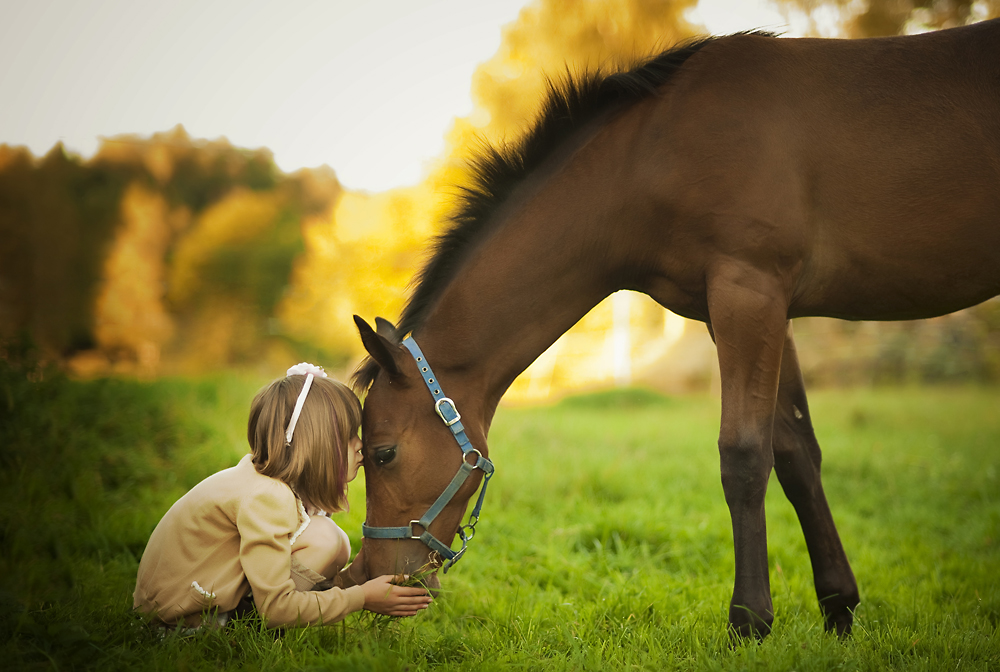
(149, 243)
(175, 254)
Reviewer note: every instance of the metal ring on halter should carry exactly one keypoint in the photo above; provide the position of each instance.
(416, 522)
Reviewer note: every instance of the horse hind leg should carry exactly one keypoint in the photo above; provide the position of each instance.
(797, 459)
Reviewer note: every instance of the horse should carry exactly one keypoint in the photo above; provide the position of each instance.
(741, 181)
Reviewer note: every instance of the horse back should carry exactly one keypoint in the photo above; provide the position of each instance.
(867, 170)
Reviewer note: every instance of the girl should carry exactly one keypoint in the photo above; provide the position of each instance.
(260, 527)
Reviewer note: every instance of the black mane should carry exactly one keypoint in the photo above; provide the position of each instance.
(499, 169)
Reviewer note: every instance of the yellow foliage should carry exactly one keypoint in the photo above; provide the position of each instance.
(218, 329)
(549, 40)
(556, 36)
(130, 316)
(238, 217)
(876, 18)
(359, 258)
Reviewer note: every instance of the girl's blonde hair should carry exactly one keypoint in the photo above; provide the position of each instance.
(314, 465)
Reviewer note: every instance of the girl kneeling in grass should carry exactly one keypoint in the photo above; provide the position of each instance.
(260, 527)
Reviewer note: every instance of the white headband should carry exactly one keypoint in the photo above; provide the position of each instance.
(309, 371)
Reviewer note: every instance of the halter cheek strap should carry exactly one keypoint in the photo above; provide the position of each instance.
(420, 529)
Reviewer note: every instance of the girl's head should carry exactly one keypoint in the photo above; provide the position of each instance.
(315, 462)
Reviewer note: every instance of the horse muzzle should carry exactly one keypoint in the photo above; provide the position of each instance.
(398, 558)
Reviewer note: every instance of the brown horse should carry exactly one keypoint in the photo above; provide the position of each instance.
(741, 181)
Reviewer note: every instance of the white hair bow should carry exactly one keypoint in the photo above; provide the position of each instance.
(309, 371)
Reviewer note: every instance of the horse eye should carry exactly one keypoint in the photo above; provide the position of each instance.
(384, 456)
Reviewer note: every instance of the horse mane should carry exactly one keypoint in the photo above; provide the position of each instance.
(499, 169)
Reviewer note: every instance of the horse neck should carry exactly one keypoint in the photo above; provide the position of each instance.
(560, 249)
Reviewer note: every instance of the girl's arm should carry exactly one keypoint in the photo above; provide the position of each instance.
(265, 520)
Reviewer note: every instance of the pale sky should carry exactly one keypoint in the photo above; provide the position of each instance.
(368, 87)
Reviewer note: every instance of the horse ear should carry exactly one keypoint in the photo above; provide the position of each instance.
(384, 327)
(388, 354)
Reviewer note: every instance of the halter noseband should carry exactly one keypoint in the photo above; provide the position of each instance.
(447, 411)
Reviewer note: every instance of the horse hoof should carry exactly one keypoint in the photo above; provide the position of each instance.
(840, 623)
(838, 613)
(745, 624)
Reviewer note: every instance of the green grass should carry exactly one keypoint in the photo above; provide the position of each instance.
(605, 541)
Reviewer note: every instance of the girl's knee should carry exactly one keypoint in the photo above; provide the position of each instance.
(323, 546)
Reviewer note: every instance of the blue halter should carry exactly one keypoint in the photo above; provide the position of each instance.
(420, 529)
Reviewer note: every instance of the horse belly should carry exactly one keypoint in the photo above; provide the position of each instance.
(897, 283)
(905, 218)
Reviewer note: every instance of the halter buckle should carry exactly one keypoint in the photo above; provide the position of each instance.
(416, 536)
(437, 407)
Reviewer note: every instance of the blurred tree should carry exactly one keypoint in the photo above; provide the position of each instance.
(228, 272)
(192, 173)
(89, 251)
(58, 218)
(131, 320)
(877, 18)
(549, 40)
(359, 257)
(233, 266)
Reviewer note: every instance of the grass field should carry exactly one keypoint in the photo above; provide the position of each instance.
(605, 541)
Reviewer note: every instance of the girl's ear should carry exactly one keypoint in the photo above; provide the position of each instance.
(390, 356)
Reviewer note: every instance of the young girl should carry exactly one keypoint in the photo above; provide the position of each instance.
(260, 527)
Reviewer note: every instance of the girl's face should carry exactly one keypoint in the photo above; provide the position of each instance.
(353, 457)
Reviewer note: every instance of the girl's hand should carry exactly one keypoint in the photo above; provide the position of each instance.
(384, 597)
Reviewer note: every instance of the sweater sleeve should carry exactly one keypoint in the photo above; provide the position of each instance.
(265, 520)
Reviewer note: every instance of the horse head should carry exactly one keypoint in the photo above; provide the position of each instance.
(410, 459)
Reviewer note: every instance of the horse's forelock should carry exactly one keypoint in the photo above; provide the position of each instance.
(364, 376)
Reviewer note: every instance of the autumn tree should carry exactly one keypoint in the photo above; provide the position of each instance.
(878, 18)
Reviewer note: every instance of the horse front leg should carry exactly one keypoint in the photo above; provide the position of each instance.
(797, 458)
(748, 315)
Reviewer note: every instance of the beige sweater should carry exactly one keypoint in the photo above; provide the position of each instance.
(232, 532)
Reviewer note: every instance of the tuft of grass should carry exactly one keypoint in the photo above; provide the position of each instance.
(419, 577)
(605, 541)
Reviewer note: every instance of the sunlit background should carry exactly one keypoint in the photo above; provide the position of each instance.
(189, 186)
